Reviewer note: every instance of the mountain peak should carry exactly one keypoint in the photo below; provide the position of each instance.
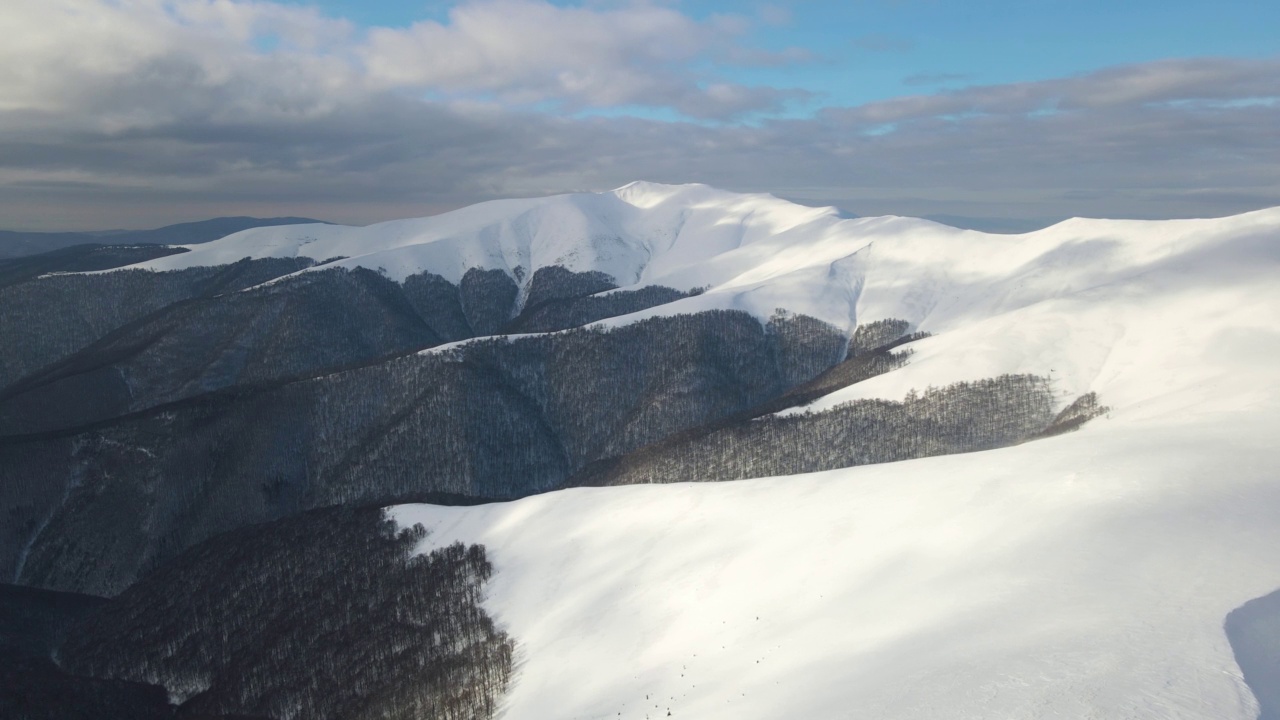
(643, 193)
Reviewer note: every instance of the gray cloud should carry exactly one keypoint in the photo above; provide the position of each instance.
(189, 123)
(1191, 80)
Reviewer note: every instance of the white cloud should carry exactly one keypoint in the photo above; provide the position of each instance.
(530, 51)
(64, 55)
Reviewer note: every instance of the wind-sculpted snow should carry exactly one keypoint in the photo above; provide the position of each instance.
(1254, 632)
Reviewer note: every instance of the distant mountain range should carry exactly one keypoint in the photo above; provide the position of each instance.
(19, 244)
(410, 470)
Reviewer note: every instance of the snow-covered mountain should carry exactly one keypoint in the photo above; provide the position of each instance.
(676, 335)
(1067, 300)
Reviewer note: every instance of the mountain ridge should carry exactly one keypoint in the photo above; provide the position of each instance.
(760, 254)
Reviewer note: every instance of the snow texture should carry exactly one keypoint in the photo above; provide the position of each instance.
(1085, 575)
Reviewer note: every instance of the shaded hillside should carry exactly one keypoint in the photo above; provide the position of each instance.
(47, 319)
(326, 615)
(305, 325)
(496, 418)
(33, 621)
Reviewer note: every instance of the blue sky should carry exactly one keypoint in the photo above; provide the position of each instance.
(992, 113)
(869, 50)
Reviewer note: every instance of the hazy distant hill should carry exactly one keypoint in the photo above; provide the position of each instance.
(17, 244)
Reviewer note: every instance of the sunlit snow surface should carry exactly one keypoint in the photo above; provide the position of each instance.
(1084, 576)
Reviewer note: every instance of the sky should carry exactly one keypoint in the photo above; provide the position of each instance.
(987, 113)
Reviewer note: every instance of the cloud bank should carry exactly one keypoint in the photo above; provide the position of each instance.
(137, 112)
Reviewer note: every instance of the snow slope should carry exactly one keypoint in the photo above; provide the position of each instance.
(1083, 576)
(1087, 575)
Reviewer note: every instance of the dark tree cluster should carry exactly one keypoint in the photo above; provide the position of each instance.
(1082, 410)
(329, 614)
(964, 417)
(555, 282)
(881, 334)
(867, 363)
(299, 326)
(487, 298)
